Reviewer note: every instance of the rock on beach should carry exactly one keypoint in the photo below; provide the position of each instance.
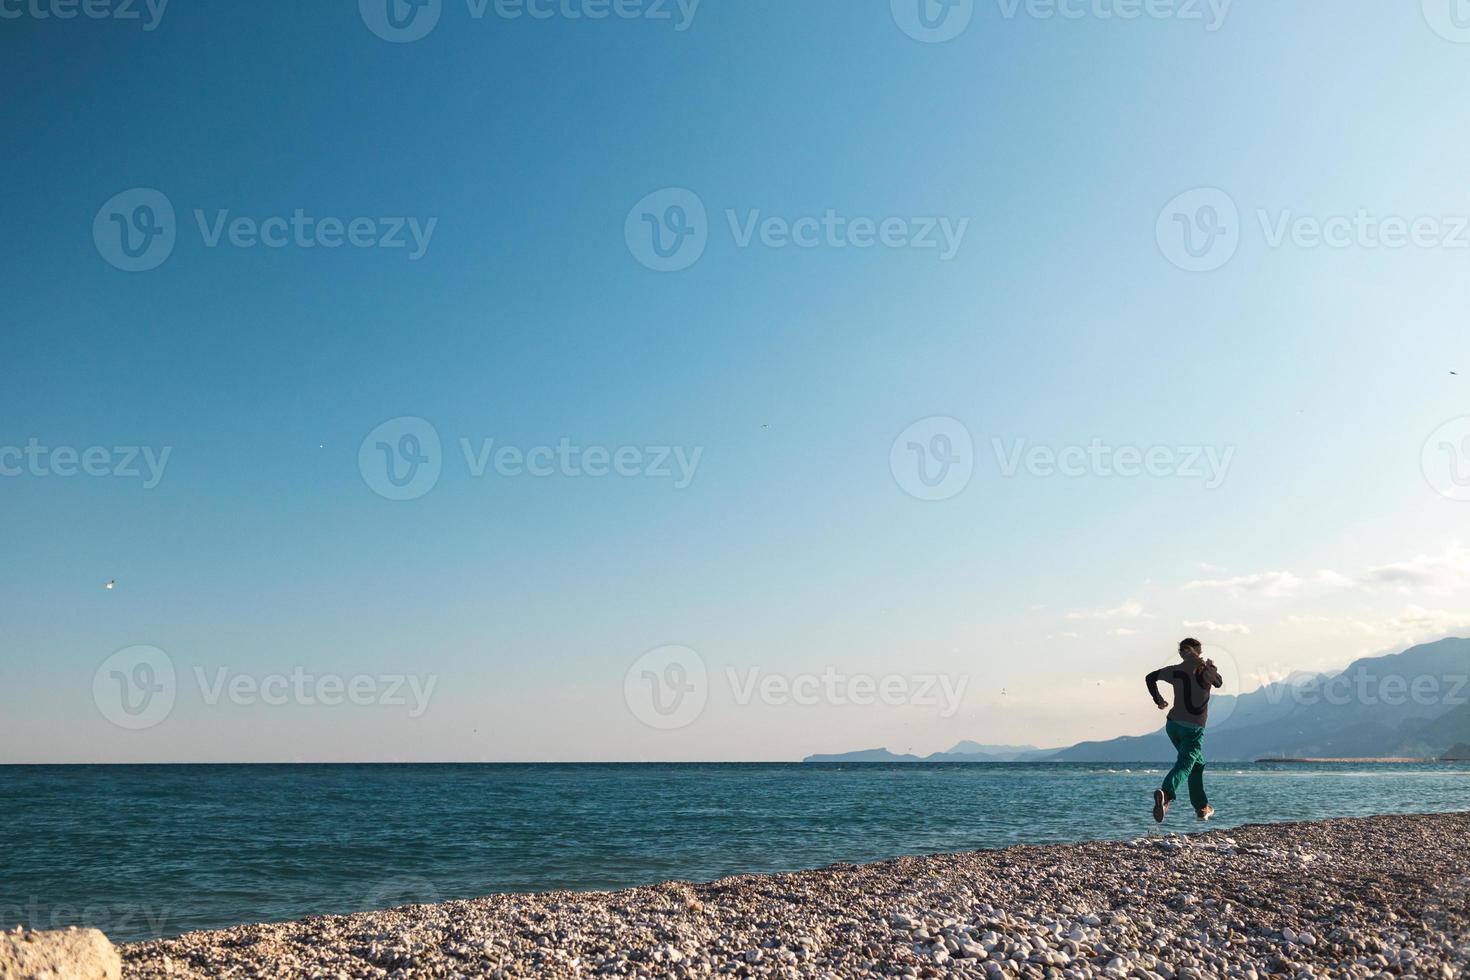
(62, 954)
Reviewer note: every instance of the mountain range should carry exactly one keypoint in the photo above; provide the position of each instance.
(1414, 704)
(966, 751)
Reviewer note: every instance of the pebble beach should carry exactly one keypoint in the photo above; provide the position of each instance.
(1369, 897)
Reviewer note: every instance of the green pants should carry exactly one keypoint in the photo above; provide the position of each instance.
(1190, 741)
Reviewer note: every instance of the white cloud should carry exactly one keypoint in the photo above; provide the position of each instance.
(1266, 678)
(1434, 575)
(1210, 626)
(1336, 625)
(1293, 676)
(1124, 631)
(1332, 580)
(1130, 609)
(1413, 624)
(1270, 585)
(1429, 574)
(1416, 623)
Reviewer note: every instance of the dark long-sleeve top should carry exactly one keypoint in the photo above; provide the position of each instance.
(1192, 682)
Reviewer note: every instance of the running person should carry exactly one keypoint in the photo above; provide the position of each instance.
(1192, 679)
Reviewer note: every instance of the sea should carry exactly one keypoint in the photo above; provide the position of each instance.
(148, 851)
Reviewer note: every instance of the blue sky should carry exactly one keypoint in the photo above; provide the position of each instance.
(528, 318)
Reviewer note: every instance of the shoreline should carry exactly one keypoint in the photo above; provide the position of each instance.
(1353, 897)
(1383, 761)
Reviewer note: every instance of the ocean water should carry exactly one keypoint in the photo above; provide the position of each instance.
(147, 851)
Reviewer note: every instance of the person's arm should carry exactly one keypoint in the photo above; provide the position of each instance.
(1152, 680)
(1211, 675)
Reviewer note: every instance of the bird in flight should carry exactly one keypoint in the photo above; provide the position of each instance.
(111, 584)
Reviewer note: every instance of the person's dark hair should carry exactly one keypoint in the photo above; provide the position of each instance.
(1190, 643)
